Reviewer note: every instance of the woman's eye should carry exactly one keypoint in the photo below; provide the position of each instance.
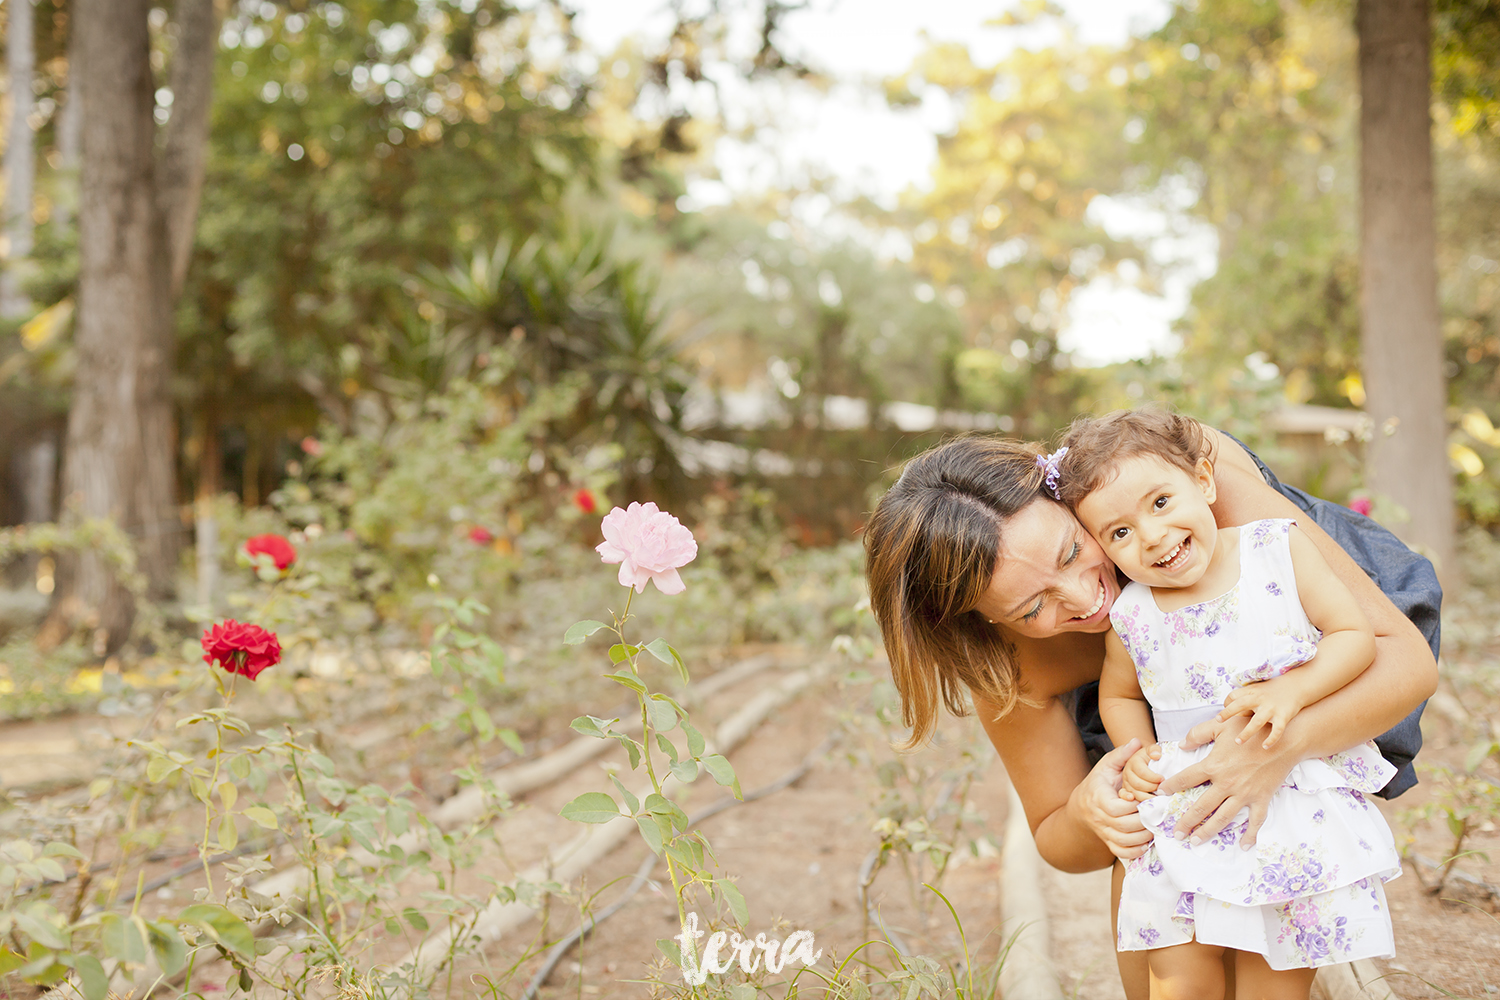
(1077, 548)
(1031, 615)
(1161, 501)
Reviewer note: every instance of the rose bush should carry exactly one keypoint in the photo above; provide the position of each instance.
(276, 546)
(241, 648)
(649, 544)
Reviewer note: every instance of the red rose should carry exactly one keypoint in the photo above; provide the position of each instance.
(585, 501)
(279, 549)
(240, 648)
(480, 536)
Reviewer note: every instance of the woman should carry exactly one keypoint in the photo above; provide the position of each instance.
(986, 587)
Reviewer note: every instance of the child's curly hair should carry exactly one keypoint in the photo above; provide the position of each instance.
(1097, 445)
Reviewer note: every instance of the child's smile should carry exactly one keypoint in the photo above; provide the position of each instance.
(1153, 519)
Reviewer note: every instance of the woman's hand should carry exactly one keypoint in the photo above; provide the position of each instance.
(1096, 803)
(1239, 776)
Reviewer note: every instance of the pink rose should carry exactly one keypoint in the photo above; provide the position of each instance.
(649, 544)
(480, 535)
(1360, 505)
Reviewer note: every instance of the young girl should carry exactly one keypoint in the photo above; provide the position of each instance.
(1212, 627)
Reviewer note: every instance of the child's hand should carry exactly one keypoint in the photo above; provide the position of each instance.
(1272, 702)
(1140, 781)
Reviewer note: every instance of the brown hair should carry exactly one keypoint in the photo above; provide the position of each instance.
(1097, 445)
(931, 548)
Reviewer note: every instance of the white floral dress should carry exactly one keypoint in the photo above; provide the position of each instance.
(1310, 892)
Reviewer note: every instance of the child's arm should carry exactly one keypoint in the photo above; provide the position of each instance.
(1345, 651)
(1126, 716)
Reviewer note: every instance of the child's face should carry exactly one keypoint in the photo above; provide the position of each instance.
(1153, 519)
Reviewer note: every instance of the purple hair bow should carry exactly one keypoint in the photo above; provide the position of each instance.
(1048, 465)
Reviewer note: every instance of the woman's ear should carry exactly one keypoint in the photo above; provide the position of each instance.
(1204, 474)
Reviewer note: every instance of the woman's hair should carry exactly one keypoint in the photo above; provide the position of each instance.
(931, 546)
(1097, 445)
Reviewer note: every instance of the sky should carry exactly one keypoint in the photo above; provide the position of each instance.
(846, 133)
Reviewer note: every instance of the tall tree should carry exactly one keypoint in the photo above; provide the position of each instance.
(20, 162)
(1400, 333)
(136, 211)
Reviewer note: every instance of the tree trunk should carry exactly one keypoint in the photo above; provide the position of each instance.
(135, 230)
(69, 144)
(1400, 332)
(20, 162)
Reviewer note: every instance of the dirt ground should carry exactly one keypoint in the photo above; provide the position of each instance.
(796, 857)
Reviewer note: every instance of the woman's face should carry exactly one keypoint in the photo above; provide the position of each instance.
(1051, 576)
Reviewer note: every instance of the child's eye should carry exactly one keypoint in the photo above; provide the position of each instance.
(1118, 534)
(1161, 501)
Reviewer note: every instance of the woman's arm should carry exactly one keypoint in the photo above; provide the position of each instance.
(1069, 807)
(1402, 676)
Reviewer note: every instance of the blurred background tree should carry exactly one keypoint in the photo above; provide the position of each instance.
(406, 199)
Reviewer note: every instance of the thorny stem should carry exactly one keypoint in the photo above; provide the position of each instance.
(311, 839)
(213, 783)
(646, 734)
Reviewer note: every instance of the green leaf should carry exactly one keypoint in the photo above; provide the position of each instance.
(415, 919)
(591, 807)
(159, 768)
(629, 680)
(228, 793)
(696, 743)
(747, 991)
(588, 725)
(9, 961)
(736, 901)
(650, 832)
(670, 949)
(261, 817)
(659, 805)
(659, 649)
(223, 926)
(512, 741)
(667, 747)
(91, 977)
(50, 869)
(622, 651)
(632, 750)
(722, 772)
(1477, 753)
(239, 766)
(661, 715)
(168, 946)
(685, 770)
(229, 834)
(579, 631)
(630, 799)
(59, 849)
(122, 939)
(34, 923)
